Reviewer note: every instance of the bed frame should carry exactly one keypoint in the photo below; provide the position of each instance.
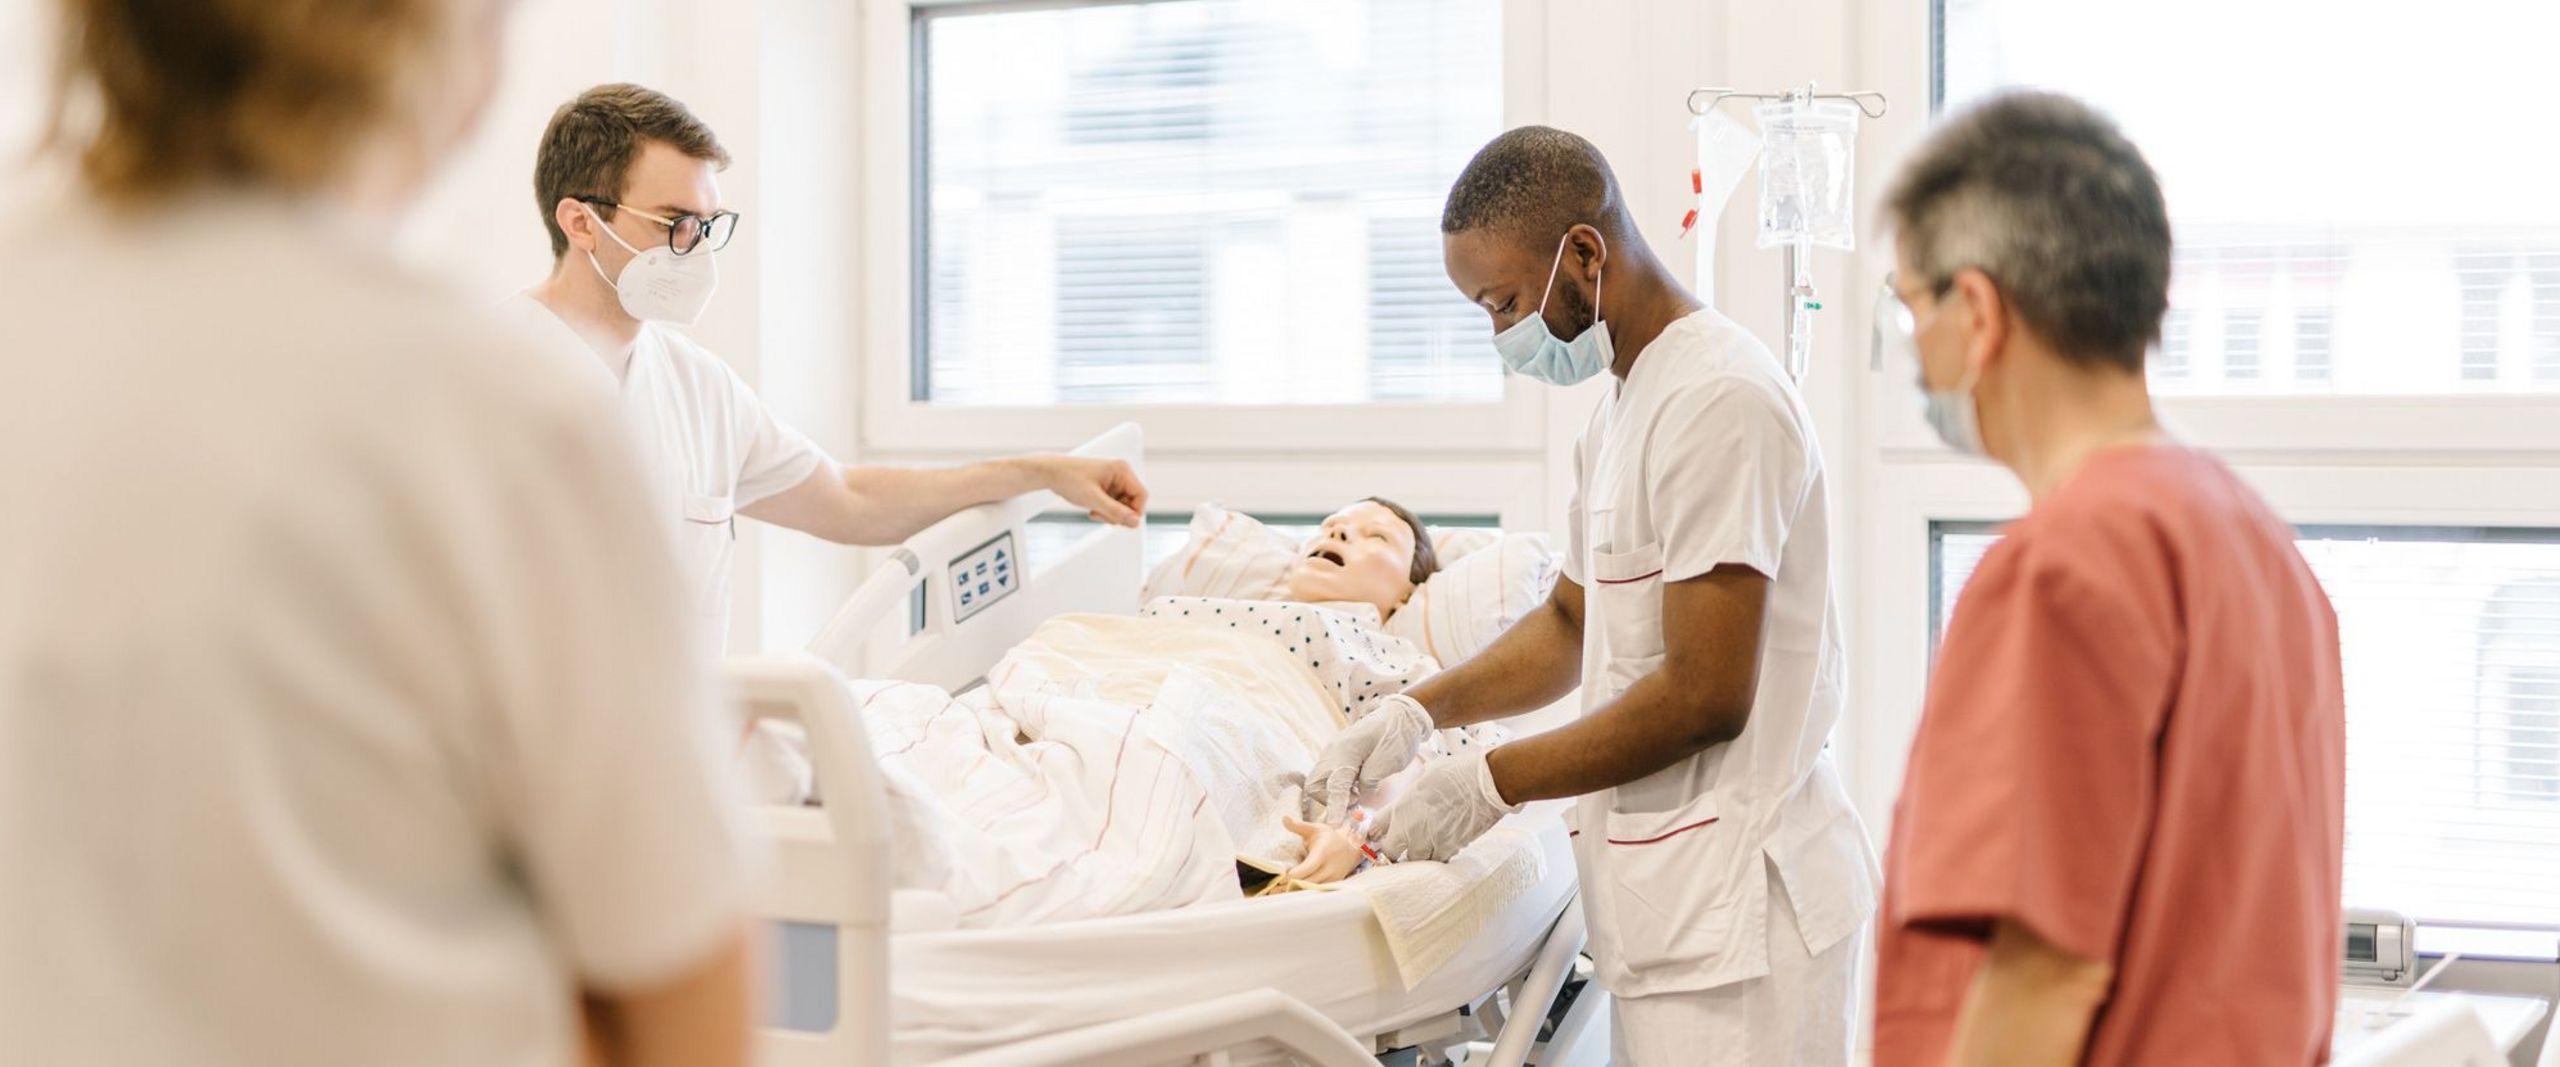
(940, 610)
(959, 630)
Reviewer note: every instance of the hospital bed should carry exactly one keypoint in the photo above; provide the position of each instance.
(1305, 977)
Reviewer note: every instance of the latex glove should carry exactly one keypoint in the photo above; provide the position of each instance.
(1451, 804)
(1365, 753)
(1108, 489)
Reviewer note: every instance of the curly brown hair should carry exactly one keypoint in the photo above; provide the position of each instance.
(155, 97)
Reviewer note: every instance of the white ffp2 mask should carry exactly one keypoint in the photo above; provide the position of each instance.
(658, 285)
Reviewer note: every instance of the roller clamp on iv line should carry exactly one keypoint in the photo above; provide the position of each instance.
(1806, 149)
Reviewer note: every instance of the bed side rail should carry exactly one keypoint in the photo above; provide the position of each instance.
(979, 596)
(831, 865)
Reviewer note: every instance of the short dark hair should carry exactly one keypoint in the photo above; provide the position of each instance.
(1426, 559)
(588, 147)
(1532, 184)
(2047, 197)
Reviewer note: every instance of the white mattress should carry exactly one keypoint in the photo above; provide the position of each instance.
(958, 991)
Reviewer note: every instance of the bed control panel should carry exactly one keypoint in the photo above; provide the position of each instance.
(984, 575)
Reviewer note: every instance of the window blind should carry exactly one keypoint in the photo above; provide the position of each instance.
(1198, 201)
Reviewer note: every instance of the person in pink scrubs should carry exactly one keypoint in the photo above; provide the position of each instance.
(2120, 835)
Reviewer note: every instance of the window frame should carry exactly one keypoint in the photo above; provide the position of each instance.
(893, 422)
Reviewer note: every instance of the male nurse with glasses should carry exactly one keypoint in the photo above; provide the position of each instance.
(624, 178)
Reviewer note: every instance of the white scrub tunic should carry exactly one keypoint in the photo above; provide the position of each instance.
(1734, 883)
(712, 448)
(346, 709)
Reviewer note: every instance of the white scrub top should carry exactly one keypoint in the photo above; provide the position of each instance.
(1704, 456)
(346, 709)
(712, 447)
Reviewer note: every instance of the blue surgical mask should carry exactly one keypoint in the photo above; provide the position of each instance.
(1951, 412)
(1529, 348)
(1953, 415)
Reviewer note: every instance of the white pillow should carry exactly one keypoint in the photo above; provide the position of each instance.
(1458, 542)
(1229, 554)
(1473, 599)
(1487, 578)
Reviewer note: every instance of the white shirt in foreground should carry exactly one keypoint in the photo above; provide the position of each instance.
(347, 706)
(711, 445)
(1705, 457)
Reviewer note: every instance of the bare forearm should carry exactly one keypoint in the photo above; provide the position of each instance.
(2030, 1006)
(899, 501)
(1650, 726)
(886, 505)
(704, 1018)
(1533, 664)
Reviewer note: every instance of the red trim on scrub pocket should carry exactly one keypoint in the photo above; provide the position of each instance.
(1659, 838)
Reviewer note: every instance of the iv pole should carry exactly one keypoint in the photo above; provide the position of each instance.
(1794, 259)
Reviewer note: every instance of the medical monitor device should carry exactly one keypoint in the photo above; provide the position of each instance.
(2381, 948)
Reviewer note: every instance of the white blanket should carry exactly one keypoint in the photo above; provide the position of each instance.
(1115, 765)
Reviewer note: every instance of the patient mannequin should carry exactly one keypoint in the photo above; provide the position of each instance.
(1374, 552)
(1333, 852)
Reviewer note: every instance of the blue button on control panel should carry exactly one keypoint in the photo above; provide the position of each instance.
(981, 577)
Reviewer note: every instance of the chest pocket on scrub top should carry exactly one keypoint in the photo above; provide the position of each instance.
(705, 537)
(1626, 591)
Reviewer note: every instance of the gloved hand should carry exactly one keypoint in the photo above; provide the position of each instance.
(1449, 806)
(1364, 754)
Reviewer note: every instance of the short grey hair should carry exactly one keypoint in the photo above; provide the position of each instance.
(2043, 194)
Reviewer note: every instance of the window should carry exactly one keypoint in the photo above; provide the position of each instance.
(2177, 347)
(2279, 201)
(1197, 201)
(2311, 346)
(2240, 346)
(2545, 271)
(2451, 639)
(2510, 317)
(2484, 278)
(2519, 694)
(1132, 299)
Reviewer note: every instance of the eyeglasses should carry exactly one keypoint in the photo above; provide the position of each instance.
(1897, 325)
(1894, 327)
(684, 232)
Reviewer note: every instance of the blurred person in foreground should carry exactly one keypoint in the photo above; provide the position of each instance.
(348, 709)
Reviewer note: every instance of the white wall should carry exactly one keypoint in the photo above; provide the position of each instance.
(24, 31)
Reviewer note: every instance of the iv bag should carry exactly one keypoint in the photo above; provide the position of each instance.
(1807, 161)
(1725, 151)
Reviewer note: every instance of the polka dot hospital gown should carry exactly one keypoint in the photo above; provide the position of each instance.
(1357, 662)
